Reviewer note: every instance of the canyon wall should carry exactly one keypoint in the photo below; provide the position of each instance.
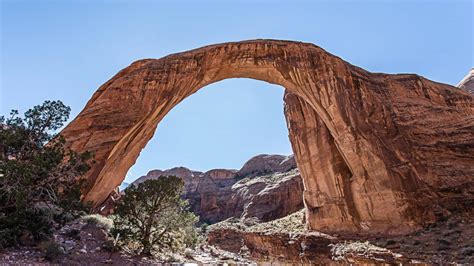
(377, 152)
(266, 188)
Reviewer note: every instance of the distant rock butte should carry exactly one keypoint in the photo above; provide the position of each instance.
(378, 153)
(264, 163)
(267, 187)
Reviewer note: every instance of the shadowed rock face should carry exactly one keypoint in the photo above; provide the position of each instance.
(377, 152)
(267, 187)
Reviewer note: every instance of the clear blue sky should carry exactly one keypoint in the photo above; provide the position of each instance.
(66, 49)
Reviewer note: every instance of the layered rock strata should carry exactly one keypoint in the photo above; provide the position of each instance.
(287, 241)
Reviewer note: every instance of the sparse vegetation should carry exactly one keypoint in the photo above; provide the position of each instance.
(152, 216)
(347, 249)
(38, 175)
(99, 220)
(293, 223)
(268, 177)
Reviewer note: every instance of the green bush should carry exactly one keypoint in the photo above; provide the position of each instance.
(26, 227)
(38, 175)
(152, 216)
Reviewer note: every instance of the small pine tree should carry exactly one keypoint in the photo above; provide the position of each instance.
(152, 215)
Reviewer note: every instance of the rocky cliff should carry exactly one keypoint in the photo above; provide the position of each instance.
(267, 187)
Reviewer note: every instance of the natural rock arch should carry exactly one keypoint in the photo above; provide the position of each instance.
(373, 149)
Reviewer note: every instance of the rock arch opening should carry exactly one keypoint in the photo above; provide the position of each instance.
(221, 126)
(229, 143)
(358, 139)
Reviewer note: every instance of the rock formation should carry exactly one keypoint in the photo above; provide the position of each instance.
(377, 152)
(262, 164)
(286, 241)
(266, 188)
(467, 83)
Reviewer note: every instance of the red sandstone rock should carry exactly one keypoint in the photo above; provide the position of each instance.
(287, 241)
(377, 152)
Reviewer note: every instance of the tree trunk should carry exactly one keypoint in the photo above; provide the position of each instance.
(147, 244)
(146, 248)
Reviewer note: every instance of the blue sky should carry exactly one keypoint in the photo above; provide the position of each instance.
(66, 49)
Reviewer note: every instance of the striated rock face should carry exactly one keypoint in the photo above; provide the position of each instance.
(266, 193)
(377, 152)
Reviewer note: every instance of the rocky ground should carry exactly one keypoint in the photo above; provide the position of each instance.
(248, 241)
(451, 240)
(287, 241)
(260, 219)
(86, 242)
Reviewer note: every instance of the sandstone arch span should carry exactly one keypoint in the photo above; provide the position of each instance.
(375, 150)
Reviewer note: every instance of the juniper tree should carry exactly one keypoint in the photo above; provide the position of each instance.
(153, 215)
(38, 175)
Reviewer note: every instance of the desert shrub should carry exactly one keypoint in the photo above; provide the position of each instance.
(98, 220)
(39, 187)
(152, 216)
(204, 227)
(51, 250)
(467, 251)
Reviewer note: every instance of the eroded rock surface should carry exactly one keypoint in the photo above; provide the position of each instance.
(377, 152)
(286, 240)
(266, 188)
